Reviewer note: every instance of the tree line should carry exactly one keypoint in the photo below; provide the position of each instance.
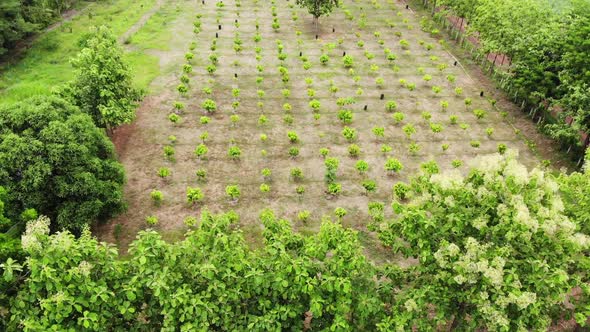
(500, 249)
(547, 45)
(19, 18)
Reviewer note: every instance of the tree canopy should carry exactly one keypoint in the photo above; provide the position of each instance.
(319, 8)
(547, 43)
(103, 85)
(55, 160)
(21, 18)
(494, 250)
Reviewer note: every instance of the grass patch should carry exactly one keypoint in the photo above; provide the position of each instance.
(144, 67)
(47, 63)
(156, 33)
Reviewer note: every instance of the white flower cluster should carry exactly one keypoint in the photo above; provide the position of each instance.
(450, 250)
(85, 268)
(496, 320)
(522, 215)
(411, 305)
(30, 240)
(447, 180)
(472, 265)
(516, 171)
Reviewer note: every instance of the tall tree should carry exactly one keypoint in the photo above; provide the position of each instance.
(103, 86)
(13, 26)
(319, 8)
(55, 160)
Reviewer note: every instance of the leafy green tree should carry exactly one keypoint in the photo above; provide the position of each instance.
(103, 85)
(211, 279)
(318, 8)
(55, 160)
(13, 25)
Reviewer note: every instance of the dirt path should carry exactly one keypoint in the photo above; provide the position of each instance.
(135, 27)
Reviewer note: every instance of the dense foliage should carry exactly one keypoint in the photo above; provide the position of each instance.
(55, 160)
(209, 281)
(103, 85)
(547, 43)
(319, 8)
(21, 18)
(495, 250)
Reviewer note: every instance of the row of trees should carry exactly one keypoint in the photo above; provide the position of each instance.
(547, 45)
(18, 18)
(499, 249)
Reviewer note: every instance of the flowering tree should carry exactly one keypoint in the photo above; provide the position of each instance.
(495, 249)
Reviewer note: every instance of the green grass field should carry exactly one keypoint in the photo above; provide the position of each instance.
(47, 63)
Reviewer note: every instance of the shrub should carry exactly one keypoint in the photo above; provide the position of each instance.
(340, 212)
(169, 152)
(398, 117)
(349, 134)
(362, 166)
(264, 188)
(293, 152)
(369, 186)
(400, 190)
(348, 61)
(409, 130)
(201, 151)
(324, 58)
(436, 127)
(315, 105)
(233, 192)
(479, 114)
(354, 150)
(334, 189)
(303, 216)
(163, 172)
(157, 197)
(266, 174)
(296, 174)
(345, 116)
(194, 195)
(151, 220)
(234, 152)
(209, 106)
(201, 174)
(393, 165)
(379, 132)
(390, 106)
(385, 148)
(414, 148)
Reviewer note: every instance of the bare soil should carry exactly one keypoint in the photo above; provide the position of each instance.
(140, 145)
